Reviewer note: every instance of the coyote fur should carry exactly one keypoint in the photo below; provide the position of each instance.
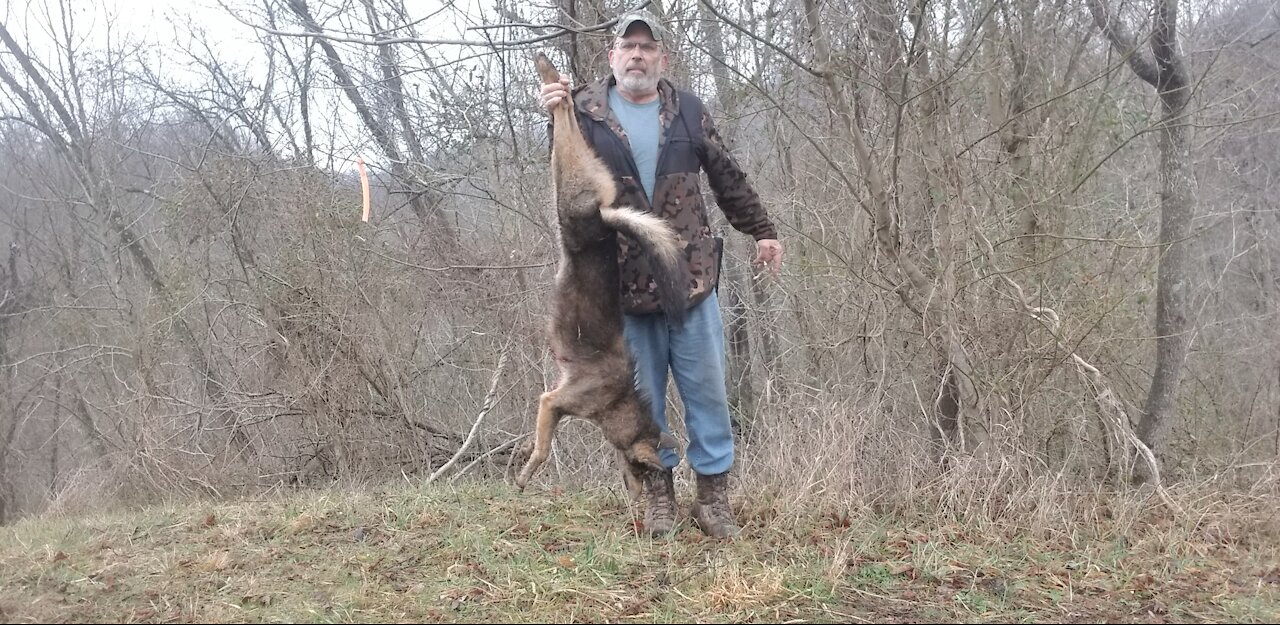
(597, 380)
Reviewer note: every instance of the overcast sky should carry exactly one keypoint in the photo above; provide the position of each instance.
(162, 23)
(163, 28)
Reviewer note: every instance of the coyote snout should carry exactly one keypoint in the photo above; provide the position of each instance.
(596, 377)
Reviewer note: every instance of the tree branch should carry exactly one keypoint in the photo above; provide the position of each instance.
(1143, 66)
(36, 77)
(318, 33)
(773, 46)
(1164, 45)
(21, 120)
(345, 80)
(41, 122)
(489, 399)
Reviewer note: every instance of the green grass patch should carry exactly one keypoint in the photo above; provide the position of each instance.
(488, 553)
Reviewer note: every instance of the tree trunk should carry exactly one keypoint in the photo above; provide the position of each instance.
(955, 423)
(911, 284)
(1165, 70)
(1173, 287)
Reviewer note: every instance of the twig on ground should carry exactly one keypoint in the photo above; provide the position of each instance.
(489, 399)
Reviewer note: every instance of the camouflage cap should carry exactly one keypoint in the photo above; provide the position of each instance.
(644, 17)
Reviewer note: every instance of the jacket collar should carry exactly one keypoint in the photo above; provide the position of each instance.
(592, 100)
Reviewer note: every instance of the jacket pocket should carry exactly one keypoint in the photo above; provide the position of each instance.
(703, 270)
(679, 156)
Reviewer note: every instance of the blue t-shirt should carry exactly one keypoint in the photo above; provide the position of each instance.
(640, 121)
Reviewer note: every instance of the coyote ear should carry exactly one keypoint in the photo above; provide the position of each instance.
(667, 441)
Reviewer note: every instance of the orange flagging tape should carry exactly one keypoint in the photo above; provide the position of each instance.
(364, 185)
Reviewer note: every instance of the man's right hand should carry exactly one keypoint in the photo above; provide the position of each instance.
(555, 92)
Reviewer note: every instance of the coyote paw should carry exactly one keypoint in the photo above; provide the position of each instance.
(516, 469)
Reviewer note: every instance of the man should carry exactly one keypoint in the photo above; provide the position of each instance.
(655, 139)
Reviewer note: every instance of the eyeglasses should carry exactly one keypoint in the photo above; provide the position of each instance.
(650, 47)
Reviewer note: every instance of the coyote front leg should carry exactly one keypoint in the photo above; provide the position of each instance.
(549, 415)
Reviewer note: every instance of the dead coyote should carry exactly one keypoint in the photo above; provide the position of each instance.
(596, 378)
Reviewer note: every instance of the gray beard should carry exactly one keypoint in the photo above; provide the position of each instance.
(638, 84)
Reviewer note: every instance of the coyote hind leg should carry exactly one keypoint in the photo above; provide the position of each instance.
(549, 415)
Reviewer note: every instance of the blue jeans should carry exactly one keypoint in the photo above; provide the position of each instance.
(696, 357)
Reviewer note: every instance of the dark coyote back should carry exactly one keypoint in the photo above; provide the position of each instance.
(596, 378)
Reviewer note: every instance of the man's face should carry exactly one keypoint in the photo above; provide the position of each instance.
(637, 60)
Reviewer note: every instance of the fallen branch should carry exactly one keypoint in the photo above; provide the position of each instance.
(487, 454)
(1105, 398)
(489, 399)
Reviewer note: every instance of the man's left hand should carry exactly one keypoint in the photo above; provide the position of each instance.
(768, 253)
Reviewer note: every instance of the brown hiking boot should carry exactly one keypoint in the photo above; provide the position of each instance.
(660, 491)
(711, 507)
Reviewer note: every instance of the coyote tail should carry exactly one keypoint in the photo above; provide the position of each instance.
(658, 240)
(653, 234)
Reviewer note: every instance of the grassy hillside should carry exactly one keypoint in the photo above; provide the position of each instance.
(484, 553)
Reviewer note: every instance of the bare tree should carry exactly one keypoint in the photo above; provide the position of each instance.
(65, 129)
(1166, 70)
(923, 295)
(424, 199)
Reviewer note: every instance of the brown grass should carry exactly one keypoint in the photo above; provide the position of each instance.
(480, 551)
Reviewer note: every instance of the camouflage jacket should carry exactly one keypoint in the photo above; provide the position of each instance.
(684, 146)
